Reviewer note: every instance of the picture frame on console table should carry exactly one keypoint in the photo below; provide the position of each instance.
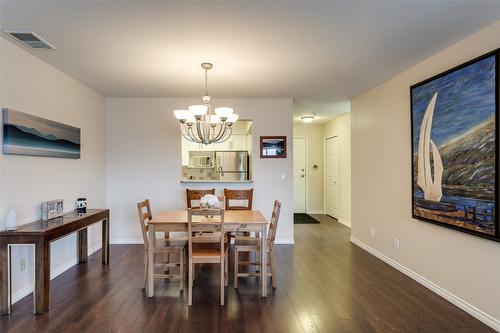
(273, 147)
(454, 129)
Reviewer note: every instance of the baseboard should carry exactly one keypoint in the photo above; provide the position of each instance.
(489, 320)
(345, 222)
(53, 274)
(284, 241)
(315, 212)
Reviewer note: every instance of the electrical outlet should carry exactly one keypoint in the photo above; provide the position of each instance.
(372, 232)
(396, 244)
(22, 265)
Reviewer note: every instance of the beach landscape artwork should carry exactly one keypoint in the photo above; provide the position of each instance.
(24, 134)
(454, 148)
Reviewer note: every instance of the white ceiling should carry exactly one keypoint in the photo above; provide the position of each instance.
(319, 53)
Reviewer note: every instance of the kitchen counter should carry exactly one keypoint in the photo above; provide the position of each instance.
(214, 181)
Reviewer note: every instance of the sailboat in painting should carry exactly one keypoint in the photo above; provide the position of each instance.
(432, 188)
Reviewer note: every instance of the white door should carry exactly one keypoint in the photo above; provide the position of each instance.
(332, 176)
(299, 175)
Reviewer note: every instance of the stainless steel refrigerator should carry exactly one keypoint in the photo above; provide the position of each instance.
(231, 165)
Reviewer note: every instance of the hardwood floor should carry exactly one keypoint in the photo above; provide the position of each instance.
(324, 283)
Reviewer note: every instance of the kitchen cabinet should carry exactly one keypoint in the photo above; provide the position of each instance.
(235, 142)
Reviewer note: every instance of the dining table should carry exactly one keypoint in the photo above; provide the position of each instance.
(234, 221)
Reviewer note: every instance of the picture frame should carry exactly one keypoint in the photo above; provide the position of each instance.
(29, 135)
(273, 147)
(454, 147)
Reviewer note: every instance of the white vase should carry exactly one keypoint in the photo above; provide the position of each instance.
(10, 219)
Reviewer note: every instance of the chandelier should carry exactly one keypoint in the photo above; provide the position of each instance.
(203, 124)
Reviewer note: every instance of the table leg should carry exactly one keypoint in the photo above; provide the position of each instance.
(82, 246)
(4, 278)
(42, 276)
(151, 256)
(105, 241)
(263, 260)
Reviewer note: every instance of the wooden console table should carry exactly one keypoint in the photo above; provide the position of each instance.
(40, 234)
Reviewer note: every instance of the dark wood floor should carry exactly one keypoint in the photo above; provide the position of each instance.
(325, 284)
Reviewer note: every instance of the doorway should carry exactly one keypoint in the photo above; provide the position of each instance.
(299, 174)
(332, 176)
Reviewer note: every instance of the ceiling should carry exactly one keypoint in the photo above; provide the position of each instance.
(320, 53)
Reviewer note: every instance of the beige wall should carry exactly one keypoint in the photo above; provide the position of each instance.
(314, 180)
(464, 266)
(32, 86)
(144, 157)
(341, 127)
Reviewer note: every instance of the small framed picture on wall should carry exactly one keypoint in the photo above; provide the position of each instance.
(273, 147)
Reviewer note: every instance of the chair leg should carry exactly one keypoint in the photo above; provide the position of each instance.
(167, 260)
(145, 269)
(181, 269)
(226, 261)
(257, 259)
(194, 272)
(273, 269)
(222, 289)
(190, 283)
(235, 282)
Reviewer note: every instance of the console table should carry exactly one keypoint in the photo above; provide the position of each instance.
(40, 234)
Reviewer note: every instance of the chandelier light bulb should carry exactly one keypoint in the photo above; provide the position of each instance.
(232, 119)
(223, 112)
(198, 110)
(181, 114)
(214, 120)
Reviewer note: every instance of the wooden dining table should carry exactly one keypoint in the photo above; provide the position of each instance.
(234, 221)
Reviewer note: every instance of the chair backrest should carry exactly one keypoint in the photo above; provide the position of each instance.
(209, 228)
(239, 195)
(274, 224)
(192, 195)
(144, 217)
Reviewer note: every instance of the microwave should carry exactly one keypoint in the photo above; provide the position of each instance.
(201, 159)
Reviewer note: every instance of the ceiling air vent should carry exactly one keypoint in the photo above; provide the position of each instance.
(31, 40)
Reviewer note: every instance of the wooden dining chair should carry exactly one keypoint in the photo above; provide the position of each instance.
(164, 247)
(252, 245)
(196, 195)
(206, 244)
(240, 195)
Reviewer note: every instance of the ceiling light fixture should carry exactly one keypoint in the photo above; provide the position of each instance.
(307, 119)
(201, 123)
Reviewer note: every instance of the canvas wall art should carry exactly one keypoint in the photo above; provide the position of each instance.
(454, 147)
(24, 134)
(273, 146)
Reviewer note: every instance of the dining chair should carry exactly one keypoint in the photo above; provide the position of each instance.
(239, 195)
(252, 245)
(201, 235)
(164, 246)
(196, 195)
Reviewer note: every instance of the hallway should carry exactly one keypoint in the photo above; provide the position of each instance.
(325, 284)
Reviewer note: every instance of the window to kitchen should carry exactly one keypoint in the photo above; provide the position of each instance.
(228, 161)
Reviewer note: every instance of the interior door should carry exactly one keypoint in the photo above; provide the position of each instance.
(332, 176)
(299, 175)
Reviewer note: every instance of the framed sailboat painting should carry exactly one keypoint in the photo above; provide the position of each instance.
(454, 127)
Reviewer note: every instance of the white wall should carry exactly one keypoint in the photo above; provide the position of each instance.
(464, 268)
(314, 180)
(32, 86)
(341, 127)
(144, 157)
